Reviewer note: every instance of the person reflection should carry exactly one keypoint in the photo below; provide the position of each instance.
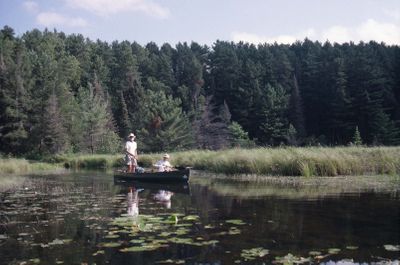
(164, 197)
(133, 203)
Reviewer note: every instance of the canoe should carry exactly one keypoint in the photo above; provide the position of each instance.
(181, 175)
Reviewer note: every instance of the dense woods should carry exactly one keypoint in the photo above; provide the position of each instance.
(65, 93)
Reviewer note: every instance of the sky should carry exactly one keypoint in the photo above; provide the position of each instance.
(206, 21)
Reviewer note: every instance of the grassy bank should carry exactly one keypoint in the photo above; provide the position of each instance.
(290, 161)
(22, 166)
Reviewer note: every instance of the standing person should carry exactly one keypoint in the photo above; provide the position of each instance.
(131, 153)
(164, 165)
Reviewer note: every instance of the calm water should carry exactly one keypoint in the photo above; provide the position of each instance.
(88, 219)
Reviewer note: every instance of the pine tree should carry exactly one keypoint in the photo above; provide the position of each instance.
(275, 123)
(15, 100)
(166, 126)
(296, 114)
(357, 137)
(95, 119)
(211, 127)
(55, 137)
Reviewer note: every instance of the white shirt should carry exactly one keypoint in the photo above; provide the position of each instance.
(131, 147)
(162, 165)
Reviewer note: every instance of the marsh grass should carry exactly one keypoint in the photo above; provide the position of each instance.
(291, 161)
(285, 161)
(22, 166)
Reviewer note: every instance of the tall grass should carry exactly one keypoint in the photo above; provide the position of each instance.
(286, 161)
(292, 161)
(22, 166)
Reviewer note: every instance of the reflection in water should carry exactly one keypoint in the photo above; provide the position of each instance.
(133, 202)
(164, 197)
(86, 219)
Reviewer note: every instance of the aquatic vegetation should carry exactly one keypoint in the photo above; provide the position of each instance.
(392, 247)
(283, 161)
(253, 253)
(235, 222)
(290, 259)
(334, 250)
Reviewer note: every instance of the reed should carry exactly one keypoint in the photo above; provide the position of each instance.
(23, 166)
(283, 161)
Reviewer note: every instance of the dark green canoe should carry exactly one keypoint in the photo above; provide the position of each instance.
(181, 175)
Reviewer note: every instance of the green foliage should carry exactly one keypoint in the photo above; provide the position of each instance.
(166, 126)
(275, 124)
(240, 138)
(308, 92)
(95, 119)
(357, 137)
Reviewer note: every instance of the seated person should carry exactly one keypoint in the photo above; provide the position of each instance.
(164, 165)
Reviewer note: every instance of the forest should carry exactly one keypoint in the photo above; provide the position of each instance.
(68, 94)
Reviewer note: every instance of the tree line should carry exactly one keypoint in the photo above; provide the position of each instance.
(66, 93)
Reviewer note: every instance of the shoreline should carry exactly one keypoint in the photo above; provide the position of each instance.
(283, 161)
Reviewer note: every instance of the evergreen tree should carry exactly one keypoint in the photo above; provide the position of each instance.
(211, 127)
(275, 124)
(15, 100)
(357, 137)
(95, 119)
(55, 138)
(166, 126)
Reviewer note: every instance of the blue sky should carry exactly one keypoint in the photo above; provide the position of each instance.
(205, 21)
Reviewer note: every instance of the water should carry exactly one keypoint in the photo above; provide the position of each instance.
(86, 218)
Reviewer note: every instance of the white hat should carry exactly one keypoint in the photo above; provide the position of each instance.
(166, 156)
(131, 135)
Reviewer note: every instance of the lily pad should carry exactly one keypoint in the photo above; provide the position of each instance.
(191, 218)
(314, 253)
(334, 250)
(392, 247)
(253, 253)
(235, 222)
(111, 244)
(171, 261)
(100, 252)
(290, 259)
(351, 247)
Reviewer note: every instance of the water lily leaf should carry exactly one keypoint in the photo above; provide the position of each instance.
(137, 249)
(111, 244)
(291, 259)
(100, 252)
(235, 222)
(111, 236)
(191, 218)
(314, 253)
(392, 247)
(351, 247)
(56, 242)
(35, 261)
(172, 261)
(251, 254)
(137, 241)
(334, 250)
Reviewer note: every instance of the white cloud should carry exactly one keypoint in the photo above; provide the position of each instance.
(373, 30)
(369, 30)
(31, 6)
(110, 7)
(392, 13)
(286, 39)
(50, 19)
